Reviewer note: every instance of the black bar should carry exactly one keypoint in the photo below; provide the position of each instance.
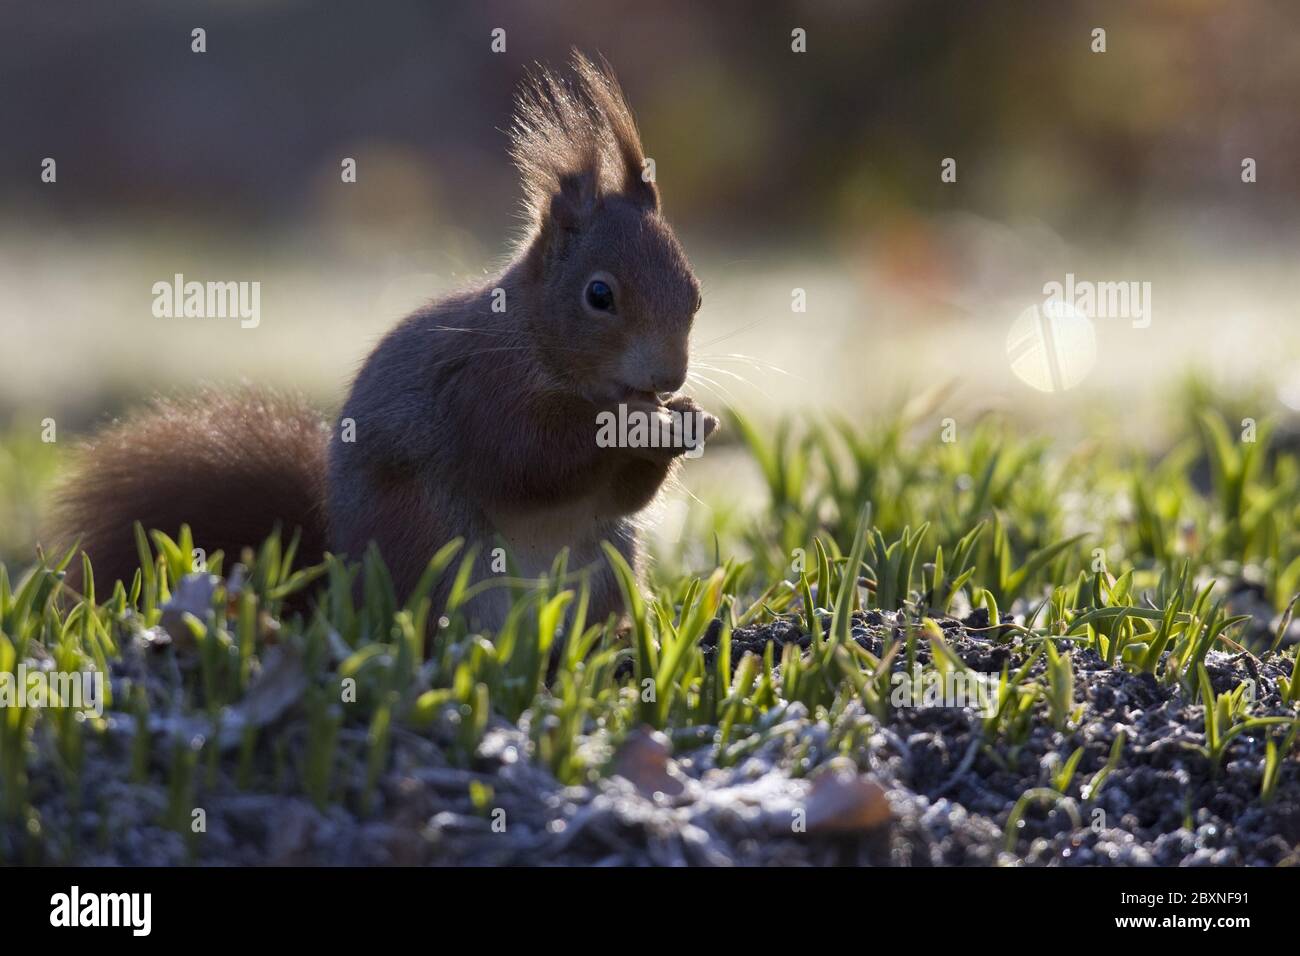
(223, 906)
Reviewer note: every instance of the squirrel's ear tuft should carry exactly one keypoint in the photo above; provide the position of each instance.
(555, 145)
(618, 125)
(573, 146)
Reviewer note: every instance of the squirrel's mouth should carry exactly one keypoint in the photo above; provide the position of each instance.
(631, 394)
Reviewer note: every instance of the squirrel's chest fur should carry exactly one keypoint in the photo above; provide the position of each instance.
(536, 535)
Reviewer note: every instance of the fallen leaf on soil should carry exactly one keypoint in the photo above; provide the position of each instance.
(276, 689)
(643, 759)
(193, 595)
(844, 802)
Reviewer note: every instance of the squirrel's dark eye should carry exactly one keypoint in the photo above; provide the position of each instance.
(600, 296)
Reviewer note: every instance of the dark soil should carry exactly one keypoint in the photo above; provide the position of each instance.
(950, 792)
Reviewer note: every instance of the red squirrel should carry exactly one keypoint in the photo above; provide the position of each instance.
(465, 421)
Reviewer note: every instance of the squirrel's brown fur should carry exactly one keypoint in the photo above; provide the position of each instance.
(468, 419)
(231, 465)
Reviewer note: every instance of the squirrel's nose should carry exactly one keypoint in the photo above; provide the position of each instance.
(669, 381)
(650, 366)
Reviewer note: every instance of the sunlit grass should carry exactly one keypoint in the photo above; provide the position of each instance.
(1104, 550)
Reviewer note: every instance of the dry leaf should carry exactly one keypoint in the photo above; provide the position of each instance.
(644, 760)
(193, 595)
(843, 802)
(277, 688)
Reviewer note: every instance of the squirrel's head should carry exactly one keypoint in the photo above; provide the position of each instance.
(617, 296)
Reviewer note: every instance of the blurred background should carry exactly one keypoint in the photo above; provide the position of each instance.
(818, 171)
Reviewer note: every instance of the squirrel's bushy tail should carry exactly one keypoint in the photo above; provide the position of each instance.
(231, 465)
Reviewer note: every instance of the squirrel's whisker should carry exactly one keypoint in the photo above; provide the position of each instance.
(463, 357)
(726, 371)
(758, 364)
(739, 378)
(750, 360)
(718, 389)
(451, 328)
(500, 348)
(723, 338)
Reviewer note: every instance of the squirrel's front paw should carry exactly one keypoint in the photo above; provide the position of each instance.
(659, 431)
(706, 423)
